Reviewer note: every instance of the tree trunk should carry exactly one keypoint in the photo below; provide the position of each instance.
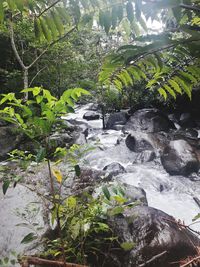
(25, 78)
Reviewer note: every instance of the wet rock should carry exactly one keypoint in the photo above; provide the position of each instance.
(91, 115)
(186, 120)
(114, 168)
(148, 120)
(135, 193)
(116, 119)
(192, 133)
(145, 156)
(60, 140)
(153, 232)
(178, 158)
(89, 179)
(93, 107)
(138, 143)
(10, 138)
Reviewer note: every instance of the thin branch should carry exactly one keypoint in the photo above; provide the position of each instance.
(49, 7)
(27, 261)
(153, 259)
(50, 45)
(191, 261)
(36, 75)
(14, 48)
(194, 8)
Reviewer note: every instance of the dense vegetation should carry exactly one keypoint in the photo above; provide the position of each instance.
(109, 52)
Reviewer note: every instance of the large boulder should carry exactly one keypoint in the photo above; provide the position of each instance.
(116, 119)
(179, 158)
(114, 168)
(91, 115)
(138, 142)
(148, 120)
(9, 140)
(158, 239)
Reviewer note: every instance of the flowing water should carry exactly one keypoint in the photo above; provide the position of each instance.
(171, 194)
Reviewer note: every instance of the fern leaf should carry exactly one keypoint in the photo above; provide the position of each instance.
(175, 86)
(162, 92)
(170, 91)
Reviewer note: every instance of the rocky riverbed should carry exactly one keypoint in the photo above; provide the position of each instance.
(147, 151)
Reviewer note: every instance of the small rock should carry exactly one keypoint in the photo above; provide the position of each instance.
(114, 169)
(90, 115)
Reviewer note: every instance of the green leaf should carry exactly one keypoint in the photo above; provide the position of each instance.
(6, 184)
(77, 170)
(41, 154)
(175, 86)
(106, 192)
(29, 238)
(163, 93)
(1, 11)
(196, 217)
(127, 246)
(170, 91)
(116, 211)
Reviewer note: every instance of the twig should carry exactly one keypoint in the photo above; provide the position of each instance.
(191, 261)
(27, 261)
(153, 259)
(49, 7)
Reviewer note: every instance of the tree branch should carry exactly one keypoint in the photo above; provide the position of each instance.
(191, 261)
(49, 7)
(50, 45)
(153, 259)
(27, 261)
(14, 48)
(194, 8)
(36, 75)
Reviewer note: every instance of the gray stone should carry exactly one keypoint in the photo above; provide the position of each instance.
(114, 169)
(148, 120)
(116, 119)
(179, 158)
(153, 232)
(10, 138)
(138, 143)
(91, 115)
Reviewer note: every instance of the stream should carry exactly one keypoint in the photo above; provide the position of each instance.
(171, 194)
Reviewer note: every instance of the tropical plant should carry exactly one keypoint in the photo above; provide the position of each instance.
(168, 61)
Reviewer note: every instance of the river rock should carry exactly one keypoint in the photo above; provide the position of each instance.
(138, 143)
(153, 232)
(116, 119)
(145, 156)
(60, 140)
(186, 120)
(9, 140)
(179, 158)
(114, 168)
(91, 115)
(148, 120)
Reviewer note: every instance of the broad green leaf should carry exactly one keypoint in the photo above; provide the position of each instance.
(106, 192)
(29, 238)
(6, 184)
(77, 170)
(116, 211)
(40, 154)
